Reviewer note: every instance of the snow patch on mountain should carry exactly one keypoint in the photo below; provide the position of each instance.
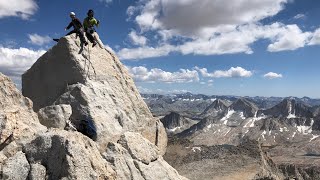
(251, 121)
(227, 132)
(195, 149)
(305, 129)
(264, 133)
(174, 129)
(291, 114)
(313, 137)
(227, 116)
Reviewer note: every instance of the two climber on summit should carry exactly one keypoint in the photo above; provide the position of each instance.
(86, 29)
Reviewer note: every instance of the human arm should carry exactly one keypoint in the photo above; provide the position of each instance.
(98, 23)
(85, 24)
(94, 21)
(69, 26)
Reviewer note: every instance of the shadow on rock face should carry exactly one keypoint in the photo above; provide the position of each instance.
(88, 128)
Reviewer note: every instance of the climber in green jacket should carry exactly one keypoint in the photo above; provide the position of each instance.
(88, 24)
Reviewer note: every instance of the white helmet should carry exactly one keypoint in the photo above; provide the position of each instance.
(72, 14)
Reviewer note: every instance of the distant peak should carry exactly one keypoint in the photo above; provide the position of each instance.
(218, 104)
(289, 100)
(290, 108)
(173, 114)
(244, 102)
(247, 107)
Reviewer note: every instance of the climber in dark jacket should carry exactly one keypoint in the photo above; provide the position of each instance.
(77, 28)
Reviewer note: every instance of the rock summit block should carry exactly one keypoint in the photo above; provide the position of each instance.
(93, 122)
(102, 94)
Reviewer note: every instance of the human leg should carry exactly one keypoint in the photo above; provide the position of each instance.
(71, 32)
(90, 37)
(97, 38)
(82, 38)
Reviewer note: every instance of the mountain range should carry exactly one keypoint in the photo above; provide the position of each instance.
(80, 116)
(191, 104)
(288, 131)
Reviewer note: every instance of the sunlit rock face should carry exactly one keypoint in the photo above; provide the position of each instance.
(93, 122)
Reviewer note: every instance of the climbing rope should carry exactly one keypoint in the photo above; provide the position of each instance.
(110, 53)
(90, 64)
(88, 58)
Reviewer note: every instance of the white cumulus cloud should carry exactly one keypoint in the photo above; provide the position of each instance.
(36, 39)
(282, 37)
(289, 37)
(145, 52)
(14, 62)
(131, 10)
(272, 75)
(315, 39)
(142, 74)
(190, 16)
(233, 72)
(214, 27)
(137, 39)
(19, 8)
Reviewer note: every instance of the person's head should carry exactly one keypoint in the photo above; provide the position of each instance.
(72, 15)
(90, 13)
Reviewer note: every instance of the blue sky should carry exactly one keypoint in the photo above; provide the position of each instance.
(235, 47)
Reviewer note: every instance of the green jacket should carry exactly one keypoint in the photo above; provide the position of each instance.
(90, 22)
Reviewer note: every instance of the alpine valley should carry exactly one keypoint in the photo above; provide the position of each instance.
(229, 137)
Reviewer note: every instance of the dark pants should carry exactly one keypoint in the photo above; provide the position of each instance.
(90, 37)
(79, 33)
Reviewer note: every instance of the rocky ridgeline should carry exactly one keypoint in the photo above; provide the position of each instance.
(91, 122)
(289, 108)
(216, 108)
(287, 122)
(289, 132)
